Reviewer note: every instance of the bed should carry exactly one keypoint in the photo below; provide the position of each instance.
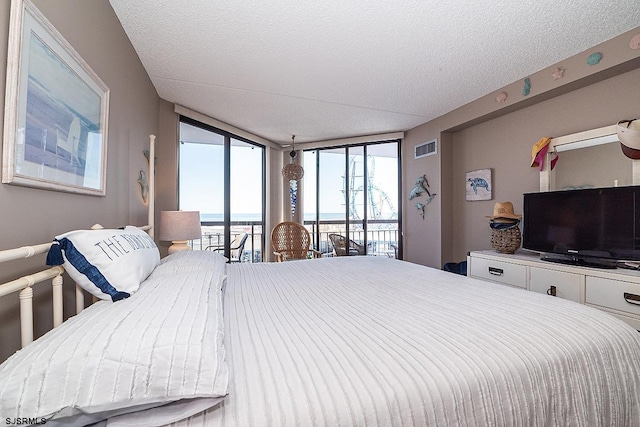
(334, 341)
(344, 341)
(371, 341)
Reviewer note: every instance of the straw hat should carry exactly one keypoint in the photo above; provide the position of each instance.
(504, 210)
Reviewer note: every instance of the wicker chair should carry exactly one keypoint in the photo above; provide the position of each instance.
(291, 241)
(340, 247)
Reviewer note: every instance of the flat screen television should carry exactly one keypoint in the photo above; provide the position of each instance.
(592, 227)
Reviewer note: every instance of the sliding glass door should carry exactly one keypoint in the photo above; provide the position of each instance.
(222, 176)
(247, 196)
(383, 201)
(352, 194)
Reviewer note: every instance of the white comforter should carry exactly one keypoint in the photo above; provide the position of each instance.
(377, 342)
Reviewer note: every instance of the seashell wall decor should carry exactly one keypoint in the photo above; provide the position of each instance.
(594, 58)
(558, 73)
(526, 90)
(635, 42)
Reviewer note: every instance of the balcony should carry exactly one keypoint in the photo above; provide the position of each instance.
(213, 238)
(381, 237)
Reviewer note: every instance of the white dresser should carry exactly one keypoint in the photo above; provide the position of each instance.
(614, 291)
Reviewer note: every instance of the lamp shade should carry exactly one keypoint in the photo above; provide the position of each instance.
(179, 225)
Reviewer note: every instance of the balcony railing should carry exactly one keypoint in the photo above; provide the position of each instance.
(381, 237)
(213, 238)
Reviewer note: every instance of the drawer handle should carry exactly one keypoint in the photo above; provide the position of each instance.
(551, 291)
(496, 271)
(632, 298)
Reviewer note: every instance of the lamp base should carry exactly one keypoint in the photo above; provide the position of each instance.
(178, 245)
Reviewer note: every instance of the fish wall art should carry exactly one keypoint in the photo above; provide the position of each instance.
(420, 189)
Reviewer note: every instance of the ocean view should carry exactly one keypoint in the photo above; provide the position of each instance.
(256, 217)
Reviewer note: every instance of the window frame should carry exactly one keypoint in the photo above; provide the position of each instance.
(228, 136)
(316, 220)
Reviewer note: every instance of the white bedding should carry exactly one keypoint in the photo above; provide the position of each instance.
(378, 342)
(348, 341)
(161, 346)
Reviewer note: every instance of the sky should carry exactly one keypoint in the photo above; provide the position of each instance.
(382, 172)
(201, 179)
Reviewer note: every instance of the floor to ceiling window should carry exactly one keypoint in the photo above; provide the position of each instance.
(222, 176)
(352, 194)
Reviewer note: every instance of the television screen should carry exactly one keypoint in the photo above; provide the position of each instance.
(581, 224)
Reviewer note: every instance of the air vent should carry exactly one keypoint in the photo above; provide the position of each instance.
(425, 149)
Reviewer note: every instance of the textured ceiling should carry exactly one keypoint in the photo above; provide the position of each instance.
(340, 68)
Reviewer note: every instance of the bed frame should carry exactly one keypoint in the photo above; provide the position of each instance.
(24, 285)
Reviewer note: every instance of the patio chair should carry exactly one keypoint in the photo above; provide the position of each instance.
(395, 250)
(291, 241)
(341, 248)
(236, 246)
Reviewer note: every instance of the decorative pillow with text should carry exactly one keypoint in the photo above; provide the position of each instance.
(108, 263)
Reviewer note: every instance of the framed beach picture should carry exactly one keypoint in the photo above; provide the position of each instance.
(56, 110)
(479, 185)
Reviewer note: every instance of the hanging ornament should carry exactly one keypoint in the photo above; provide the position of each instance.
(293, 172)
(293, 194)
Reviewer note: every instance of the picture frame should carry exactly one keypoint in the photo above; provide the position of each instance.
(478, 184)
(56, 110)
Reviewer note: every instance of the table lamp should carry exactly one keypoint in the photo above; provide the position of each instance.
(178, 227)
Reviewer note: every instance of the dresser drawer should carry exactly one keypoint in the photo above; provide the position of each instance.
(614, 294)
(557, 283)
(499, 271)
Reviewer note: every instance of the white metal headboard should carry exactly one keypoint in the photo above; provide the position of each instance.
(24, 285)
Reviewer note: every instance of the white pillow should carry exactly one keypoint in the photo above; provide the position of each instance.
(108, 263)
